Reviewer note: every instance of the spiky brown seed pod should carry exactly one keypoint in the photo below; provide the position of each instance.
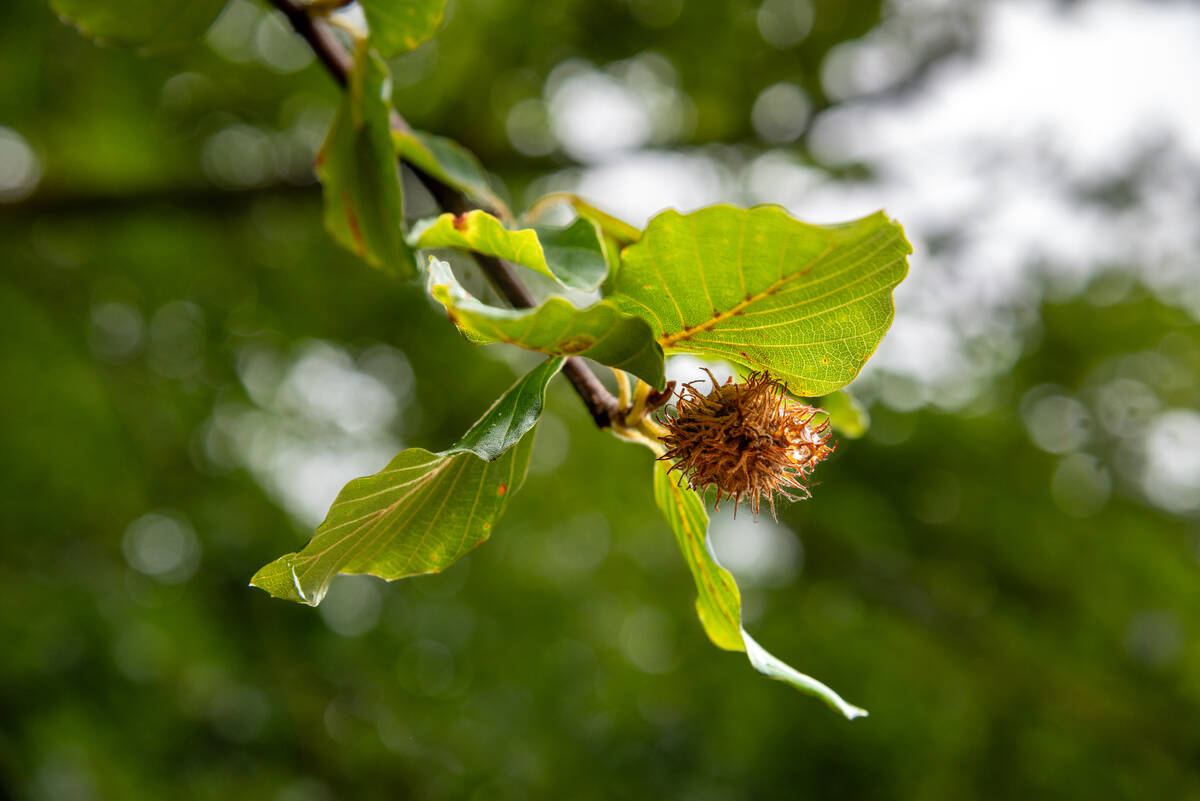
(750, 441)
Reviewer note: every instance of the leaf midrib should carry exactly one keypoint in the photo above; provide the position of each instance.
(667, 340)
(370, 519)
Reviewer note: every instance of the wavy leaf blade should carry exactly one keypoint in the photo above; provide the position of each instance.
(398, 26)
(758, 288)
(360, 179)
(424, 510)
(718, 602)
(600, 332)
(573, 256)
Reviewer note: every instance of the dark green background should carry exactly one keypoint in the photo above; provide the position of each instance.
(1004, 648)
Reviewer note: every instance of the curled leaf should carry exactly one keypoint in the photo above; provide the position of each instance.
(573, 256)
(601, 331)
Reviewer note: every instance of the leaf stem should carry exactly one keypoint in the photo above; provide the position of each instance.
(324, 43)
(634, 417)
(624, 394)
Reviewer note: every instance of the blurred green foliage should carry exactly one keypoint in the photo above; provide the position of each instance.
(1010, 640)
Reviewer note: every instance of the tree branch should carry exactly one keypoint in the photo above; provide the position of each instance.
(319, 37)
(317, 33)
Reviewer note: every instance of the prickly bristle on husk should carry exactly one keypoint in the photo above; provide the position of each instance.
(749, 440)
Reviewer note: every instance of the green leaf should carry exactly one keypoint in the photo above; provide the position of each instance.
(614, 234)
(148, 25)
(619, 231)
(400, 25)
(517, 411)
(574, 255)
(450, 163)
(423, 511)
(718, 602)
(418, 515)
(600, 332)
(758, 288)
(848, 417)
(359, 175)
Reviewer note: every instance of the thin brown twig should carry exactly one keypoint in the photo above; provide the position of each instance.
(317, 33)
(319, 37)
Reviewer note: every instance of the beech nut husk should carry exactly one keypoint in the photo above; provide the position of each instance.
(750, 440)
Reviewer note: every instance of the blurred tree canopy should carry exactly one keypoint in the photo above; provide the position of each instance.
(996, 583)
